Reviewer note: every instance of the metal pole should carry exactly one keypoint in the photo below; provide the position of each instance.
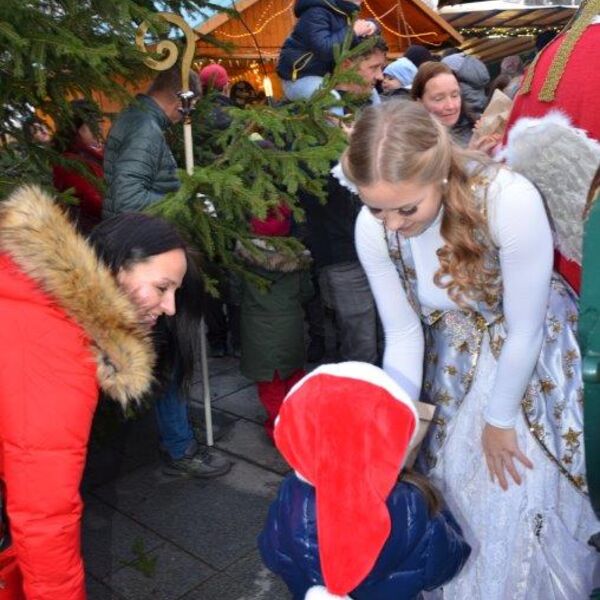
(187, 104)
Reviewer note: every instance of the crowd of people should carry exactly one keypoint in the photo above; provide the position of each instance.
(438, 267)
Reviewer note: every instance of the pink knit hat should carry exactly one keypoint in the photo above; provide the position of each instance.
(213, 76)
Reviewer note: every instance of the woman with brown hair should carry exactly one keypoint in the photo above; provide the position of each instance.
(458, 253)
(436, 87)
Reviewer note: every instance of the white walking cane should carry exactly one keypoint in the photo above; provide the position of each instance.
(187, 97)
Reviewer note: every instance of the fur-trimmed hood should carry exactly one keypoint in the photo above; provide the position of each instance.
(39, 238)
(268, 258)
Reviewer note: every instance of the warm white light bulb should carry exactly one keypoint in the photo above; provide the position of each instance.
(268, 86)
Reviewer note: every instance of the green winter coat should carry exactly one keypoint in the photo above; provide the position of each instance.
(139, 166)
(272, 320)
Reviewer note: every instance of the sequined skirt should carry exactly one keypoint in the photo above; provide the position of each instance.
(553, 402)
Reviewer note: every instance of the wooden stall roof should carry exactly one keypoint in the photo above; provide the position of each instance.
(270, 21)
(494, 29)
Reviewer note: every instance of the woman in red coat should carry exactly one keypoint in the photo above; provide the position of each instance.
(68, 325)
(81, 144)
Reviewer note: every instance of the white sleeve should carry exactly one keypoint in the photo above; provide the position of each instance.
(403, 356)
(520, 228)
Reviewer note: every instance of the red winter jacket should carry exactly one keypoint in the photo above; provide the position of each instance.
(61, 335)
(89, 195)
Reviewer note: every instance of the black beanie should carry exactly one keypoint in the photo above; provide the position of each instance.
(418, 55)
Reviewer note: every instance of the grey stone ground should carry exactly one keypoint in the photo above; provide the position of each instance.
(150, 536)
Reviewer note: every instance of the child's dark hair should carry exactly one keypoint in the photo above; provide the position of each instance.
(432, 495)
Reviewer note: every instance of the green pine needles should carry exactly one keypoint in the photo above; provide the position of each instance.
(55, 50)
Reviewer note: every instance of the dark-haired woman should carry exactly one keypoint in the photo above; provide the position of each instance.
(135, 239)
(69, 324)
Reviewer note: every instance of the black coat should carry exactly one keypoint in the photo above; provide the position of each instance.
(330, 226)
(321, 25)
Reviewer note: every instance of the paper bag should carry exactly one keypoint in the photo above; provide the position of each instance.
(426, 412)
(494, 117)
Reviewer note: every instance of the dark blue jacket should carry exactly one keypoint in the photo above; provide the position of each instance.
(422, 552)
(321, 25)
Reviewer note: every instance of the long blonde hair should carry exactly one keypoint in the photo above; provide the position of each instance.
(399, 141)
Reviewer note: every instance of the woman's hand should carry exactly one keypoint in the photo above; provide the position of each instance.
(485, 143)
(501, 448)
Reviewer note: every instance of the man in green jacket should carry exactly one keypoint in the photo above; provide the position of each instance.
(139, 166)
(140, 169)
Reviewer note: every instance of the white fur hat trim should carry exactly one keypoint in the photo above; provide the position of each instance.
(319, 592)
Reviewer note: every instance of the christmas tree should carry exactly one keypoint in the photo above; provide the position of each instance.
(261, 160)
(56, 50)
(52, 51)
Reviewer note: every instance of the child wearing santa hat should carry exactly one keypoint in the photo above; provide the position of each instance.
(346, 523)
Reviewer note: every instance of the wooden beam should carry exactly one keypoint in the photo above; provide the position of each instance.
(438, 20)
(558, 17)
(508, 47)
(489, 46)
(221, 18)
(530, 17)
(471, 19)
(473, 43)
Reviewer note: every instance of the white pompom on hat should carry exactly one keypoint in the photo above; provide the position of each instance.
(319, 592)
(346, 429)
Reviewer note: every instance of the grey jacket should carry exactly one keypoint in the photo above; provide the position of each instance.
(473, 77)
(139, 166)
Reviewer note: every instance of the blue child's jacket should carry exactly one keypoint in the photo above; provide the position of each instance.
(421, 553)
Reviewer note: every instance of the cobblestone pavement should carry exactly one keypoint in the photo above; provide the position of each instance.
(150, 536)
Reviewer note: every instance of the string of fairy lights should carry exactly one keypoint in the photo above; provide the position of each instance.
(263, 24)
(255, 70)
(267, 17)
(401, 20)
(506, 32)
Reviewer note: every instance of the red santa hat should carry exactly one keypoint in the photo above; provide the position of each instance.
(346, 429)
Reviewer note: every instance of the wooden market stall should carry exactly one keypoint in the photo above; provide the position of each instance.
(494, 29)
(256, 37)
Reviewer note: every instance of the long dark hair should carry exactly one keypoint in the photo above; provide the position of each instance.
(130, 238)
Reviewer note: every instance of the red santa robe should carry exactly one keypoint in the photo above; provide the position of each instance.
(577, 95)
